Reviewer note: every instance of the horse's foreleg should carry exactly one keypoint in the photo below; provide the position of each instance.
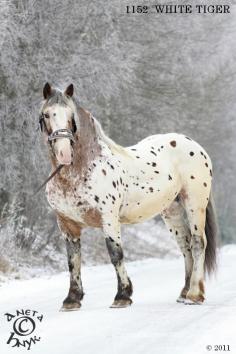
(174, 220)
(113, 242)
(75, 295)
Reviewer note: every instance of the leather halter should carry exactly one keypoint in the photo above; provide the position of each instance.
(57, 134)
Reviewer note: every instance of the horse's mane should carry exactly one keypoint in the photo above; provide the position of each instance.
(101, 134)
(108, 141)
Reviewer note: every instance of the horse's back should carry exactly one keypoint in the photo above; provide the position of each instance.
(175, 149)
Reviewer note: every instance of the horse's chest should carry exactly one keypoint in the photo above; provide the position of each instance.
(74, 206)
(68, 202)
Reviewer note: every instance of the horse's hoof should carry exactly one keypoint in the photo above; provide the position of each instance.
(121, 303)
(191, 302)
(181, 300)
(192, 299)
(70, 307)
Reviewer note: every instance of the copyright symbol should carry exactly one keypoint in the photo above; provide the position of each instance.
(24, 326)
(208, 347)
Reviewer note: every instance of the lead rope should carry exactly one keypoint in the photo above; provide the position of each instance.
(47, 180)
(57, 134)
(5, 219)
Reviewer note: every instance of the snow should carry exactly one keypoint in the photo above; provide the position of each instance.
(155, 323)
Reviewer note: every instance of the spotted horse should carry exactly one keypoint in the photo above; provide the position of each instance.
(103, 185)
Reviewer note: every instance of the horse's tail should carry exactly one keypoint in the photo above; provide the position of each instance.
(211, 231)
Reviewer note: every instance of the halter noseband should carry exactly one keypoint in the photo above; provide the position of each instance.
(59, 133)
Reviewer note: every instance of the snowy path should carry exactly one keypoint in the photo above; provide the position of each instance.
(155, 323)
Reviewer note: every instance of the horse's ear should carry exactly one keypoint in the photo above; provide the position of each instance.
(69, 90)
(47, 90)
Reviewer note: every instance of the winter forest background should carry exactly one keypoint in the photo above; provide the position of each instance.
(139, 75)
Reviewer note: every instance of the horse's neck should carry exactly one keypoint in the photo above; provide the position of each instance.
(92, 131)
(87, 135)
(87, 147)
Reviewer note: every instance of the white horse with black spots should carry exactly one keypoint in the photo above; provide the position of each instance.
(103, 184)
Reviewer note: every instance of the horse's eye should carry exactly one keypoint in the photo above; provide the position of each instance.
(46, 115)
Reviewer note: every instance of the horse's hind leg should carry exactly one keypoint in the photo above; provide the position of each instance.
(113, 242)
(196, 217)
(175, 221)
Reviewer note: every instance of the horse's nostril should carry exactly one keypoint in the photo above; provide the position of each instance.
(61, 153)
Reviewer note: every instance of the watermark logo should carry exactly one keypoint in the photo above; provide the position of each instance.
(24, 328)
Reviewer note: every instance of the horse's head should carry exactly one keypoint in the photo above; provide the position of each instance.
(57, 122)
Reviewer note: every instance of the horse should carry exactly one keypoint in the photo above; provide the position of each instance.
(102, 184)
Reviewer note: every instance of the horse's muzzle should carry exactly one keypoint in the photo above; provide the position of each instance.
(63, 141)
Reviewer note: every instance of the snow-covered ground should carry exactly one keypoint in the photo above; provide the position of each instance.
(155, 323)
